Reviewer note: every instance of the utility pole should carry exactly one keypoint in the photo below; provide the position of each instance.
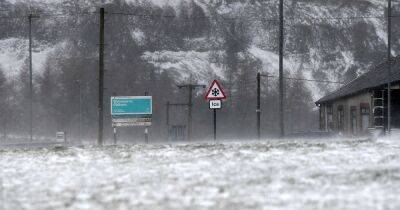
(190, 105)
(389, 55)
(30, 80)
(190, 88)
(30, 17)
(258, 110)
(281, 81)
(167, 119)
(78, 82)
(80, 113)
(101, 77)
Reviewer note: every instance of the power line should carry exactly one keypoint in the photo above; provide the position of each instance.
(303, 79)
(339, 18)
(290, 18)
(180, 17)
(44, 14)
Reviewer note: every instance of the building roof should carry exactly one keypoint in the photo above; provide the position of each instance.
(375, 77)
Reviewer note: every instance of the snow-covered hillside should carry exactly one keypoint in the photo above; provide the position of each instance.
(315, 21)
(14, 55)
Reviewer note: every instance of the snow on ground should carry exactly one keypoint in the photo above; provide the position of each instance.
(295, 174)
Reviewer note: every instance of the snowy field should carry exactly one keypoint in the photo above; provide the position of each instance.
(271, 175)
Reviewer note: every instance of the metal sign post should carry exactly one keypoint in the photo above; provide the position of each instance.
(146, 135)
(214, 105)
(115, 135)
(215, 124)
(214, 95)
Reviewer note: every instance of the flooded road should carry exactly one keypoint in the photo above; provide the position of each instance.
(270, 175)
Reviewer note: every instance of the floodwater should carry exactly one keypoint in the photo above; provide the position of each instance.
(324, 174)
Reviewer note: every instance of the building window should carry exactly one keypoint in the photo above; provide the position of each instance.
(340, 118)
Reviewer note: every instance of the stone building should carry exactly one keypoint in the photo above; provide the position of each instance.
(362, 103)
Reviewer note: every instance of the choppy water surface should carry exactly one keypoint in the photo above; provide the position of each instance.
(271, 175)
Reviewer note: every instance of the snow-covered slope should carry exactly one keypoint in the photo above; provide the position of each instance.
(184, 64)
(331, 61)
(14, 54)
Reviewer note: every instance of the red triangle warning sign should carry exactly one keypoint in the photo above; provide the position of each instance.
(215, 92)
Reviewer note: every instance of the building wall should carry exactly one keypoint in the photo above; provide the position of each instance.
(346, 103)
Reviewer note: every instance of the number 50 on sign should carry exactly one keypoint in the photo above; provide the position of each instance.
(215, 104)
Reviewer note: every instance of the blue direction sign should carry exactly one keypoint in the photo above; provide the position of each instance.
(131, 106)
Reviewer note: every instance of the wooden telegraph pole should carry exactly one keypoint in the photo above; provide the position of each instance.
(101, 77)
(258, 110)
(389, 57)
(30, 79)
(281, 80)
(30, 17)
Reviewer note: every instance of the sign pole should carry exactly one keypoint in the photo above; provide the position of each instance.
(115, 136)
(146, 135)
(258, 110)
(215, 124)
